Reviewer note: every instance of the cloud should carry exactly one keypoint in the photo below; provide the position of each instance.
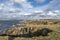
(8, 10)
(39, 1)
(19, 1)
(1, 6)
(38, 11)
(29, 6)
(14, 10)
(24, 4)
(56, 11)
(27, 13)
(54, 5)
(51, 13)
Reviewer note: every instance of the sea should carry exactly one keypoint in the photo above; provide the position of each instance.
(5, 24)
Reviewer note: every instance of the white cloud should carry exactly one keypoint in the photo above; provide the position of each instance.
(56, 11)
(41, 12)
(51, 13)
(13, 10)
(27, 14)
(19, 1)
(40, 1)
(24, 4)
(1, 6)
(38, 11)
(27, 6)
(8, 10)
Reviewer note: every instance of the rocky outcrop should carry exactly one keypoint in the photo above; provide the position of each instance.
(21, 31)
(26, 31)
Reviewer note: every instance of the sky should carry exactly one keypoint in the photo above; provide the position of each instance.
(16, 8)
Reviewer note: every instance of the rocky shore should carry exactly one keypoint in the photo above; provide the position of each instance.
(26, 31)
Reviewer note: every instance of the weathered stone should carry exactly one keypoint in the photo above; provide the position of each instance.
(45, 31)
(27, 31)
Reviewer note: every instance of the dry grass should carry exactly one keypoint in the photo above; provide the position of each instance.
(3, 37)
(55, 35)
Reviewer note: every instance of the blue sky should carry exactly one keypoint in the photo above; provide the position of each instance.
(15, 8)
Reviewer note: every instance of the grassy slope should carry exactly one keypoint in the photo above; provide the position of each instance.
(55, 35)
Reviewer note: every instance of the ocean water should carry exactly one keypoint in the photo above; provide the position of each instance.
(5, 24)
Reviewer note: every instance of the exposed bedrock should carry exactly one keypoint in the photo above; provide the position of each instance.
(27, 31)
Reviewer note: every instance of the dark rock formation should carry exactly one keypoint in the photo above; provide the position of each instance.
(45, 31)
(27, 32)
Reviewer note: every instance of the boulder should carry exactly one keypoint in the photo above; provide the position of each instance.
(45, 31)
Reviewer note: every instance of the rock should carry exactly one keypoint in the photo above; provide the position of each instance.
(45, 31)
(27, 31)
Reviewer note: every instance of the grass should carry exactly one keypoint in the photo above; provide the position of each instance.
(3, 37)
(55, 35)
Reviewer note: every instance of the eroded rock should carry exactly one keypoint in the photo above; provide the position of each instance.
(27, 31)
